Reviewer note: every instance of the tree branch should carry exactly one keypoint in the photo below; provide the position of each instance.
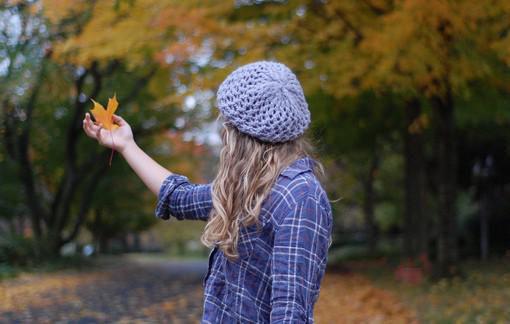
(26, 168)
(139, 84)
(85, 204)
(9, 132)
(374, 8)
(358, 35)
(65, 181)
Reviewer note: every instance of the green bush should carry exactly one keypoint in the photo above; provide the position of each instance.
(16, 250)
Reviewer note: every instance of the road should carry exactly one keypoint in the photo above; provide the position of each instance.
(119, 289)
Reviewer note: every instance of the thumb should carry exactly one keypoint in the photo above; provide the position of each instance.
(119, 120)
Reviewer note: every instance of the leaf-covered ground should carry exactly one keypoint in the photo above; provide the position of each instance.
(120, 289)
(351, 298)
(145, 289)
(481, 295)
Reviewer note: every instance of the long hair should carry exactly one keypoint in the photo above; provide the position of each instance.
(248, 169)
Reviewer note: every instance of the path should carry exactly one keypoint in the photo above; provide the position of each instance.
(122, 290)
(156, 290)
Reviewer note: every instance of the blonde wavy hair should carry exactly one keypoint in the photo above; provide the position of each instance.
(248, 168)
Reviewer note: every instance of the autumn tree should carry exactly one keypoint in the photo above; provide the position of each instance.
(427, 52)
(56, 60)
(442, 49)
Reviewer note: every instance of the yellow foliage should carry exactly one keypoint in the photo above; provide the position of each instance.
(419, 46)
(342, 47)
(137, 31)
(56, 10)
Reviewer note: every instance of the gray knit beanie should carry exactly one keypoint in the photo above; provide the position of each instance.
(265, 100)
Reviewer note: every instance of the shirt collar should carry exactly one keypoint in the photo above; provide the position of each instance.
(301, 165)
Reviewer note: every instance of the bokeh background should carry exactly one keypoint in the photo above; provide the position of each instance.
(410, 103)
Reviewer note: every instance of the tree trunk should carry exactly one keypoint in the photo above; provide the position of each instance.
(104, 244)
(124, 243)
(415, 222)
(484, 193)
(484, 233)
(137, 247)
(446, 173)
(50, 220)
(53, 243)
(369, 204)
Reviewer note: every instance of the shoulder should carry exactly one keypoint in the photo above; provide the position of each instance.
(296, 186)
(299, 179)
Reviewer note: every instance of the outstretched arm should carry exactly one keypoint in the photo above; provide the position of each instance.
(121, 139)
(176, 195)
(151, 173)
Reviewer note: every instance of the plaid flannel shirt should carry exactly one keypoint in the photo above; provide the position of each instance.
(278, 274)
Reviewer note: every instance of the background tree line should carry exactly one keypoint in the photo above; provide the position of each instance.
(410, 106)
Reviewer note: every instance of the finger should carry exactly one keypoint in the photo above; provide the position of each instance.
(84, 126)
(98, 132)
(90, 128)
(88, 119)
(87, 129)
(93, 127)
(119, 120)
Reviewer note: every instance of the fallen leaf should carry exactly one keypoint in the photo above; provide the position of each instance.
(105, 116)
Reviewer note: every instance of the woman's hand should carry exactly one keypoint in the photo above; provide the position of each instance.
(119, 139)
(151, 173)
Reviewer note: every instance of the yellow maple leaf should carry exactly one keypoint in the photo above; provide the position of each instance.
(105, 116)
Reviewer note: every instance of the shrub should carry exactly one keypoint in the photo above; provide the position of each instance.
(16, 249)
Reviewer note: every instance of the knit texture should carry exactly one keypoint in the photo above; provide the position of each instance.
(265, 100)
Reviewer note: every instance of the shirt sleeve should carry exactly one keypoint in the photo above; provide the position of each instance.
(299, 259)
(184, 200)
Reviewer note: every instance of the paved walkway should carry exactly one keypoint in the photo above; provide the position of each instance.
(121, 289)
(145, 289)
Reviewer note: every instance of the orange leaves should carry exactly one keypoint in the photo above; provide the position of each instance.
(351, 298)
(419, 124)
(105, 116)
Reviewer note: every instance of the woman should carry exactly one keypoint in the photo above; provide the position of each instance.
(268, 218)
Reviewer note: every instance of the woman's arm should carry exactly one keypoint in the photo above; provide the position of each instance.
(183, 200)
(121, 139)
(176, 195)
(151, 173)
(301, 243)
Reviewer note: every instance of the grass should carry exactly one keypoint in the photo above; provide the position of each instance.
(79, 262)
(69, 262)
(8, 271)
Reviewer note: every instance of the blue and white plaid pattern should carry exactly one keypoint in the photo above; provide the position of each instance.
(277, 277)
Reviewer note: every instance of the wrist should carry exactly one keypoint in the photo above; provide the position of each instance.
(129, 147)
